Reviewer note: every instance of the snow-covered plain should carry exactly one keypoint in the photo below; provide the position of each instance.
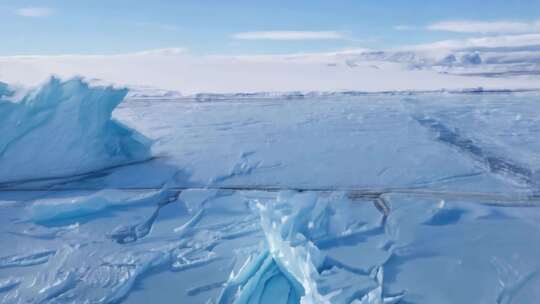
(298, 198)
(493, 62)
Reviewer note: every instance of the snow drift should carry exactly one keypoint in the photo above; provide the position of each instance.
(64, 128)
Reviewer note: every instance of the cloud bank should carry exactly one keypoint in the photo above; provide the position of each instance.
(495, 27)
(525, 41)
(290, 35)
(35, 12)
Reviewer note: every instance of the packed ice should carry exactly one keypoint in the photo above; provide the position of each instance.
(302, 198)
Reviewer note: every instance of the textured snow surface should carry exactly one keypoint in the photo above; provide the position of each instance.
(369, 199)
(64, 128)
(281, 247)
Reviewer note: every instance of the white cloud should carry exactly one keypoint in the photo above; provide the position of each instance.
(160, 26)
(164, 52)
(485, 27)
(405, 27)
(34, 11)
(502, 41)
(291, 35)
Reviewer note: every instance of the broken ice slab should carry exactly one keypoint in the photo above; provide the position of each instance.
(212, 246)
(58, 208)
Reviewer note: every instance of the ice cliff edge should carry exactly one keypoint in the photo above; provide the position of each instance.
(64, 128)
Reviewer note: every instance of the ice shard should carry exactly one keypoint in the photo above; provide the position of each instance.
(294, 267)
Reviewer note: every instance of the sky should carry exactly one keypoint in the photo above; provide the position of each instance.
(209, 27)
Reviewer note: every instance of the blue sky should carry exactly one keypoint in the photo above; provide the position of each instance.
(251, 27)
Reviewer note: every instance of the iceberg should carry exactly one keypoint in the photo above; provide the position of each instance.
(64, 128)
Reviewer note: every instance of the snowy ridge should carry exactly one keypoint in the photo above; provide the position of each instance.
(138, 92)
(453, 60)
(205, 97)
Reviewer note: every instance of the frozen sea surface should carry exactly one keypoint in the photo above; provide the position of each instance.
(428, 198)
